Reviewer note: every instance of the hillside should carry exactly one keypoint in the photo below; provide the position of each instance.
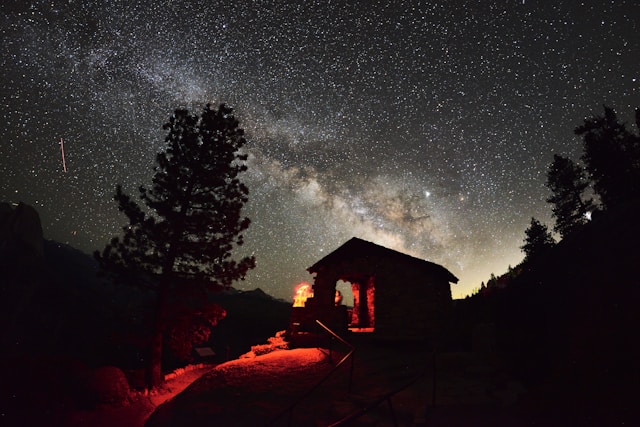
(567, 322)
(60, 320)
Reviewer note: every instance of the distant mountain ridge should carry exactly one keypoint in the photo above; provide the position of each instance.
(52, 294)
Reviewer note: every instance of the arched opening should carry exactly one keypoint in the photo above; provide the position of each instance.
(358, 295)
(347, 293)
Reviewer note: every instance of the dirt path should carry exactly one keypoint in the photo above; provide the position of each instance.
(248, 391)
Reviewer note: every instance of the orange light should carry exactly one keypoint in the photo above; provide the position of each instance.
(303, 291)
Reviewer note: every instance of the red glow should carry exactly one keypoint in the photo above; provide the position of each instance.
(363, 313)
(303, 291)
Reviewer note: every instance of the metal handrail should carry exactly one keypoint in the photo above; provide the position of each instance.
(291, 407)
(351, 350)
(375, 403)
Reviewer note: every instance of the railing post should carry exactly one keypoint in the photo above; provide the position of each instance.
(434, 382)
(351, 372)
(393, 414)
(331, 349)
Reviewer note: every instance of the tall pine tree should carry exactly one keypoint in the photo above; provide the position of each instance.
(612, 158)
(181, 245)
(567, 183)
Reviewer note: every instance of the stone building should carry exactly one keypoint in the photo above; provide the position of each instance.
(395, 296)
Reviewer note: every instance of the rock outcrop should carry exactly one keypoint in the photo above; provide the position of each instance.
(106, 385)
(21, 236)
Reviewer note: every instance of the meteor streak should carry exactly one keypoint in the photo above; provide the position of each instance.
(64, 164)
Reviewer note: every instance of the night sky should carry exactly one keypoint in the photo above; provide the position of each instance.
(423, 126)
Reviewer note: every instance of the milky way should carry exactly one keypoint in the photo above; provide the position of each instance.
(423, 126)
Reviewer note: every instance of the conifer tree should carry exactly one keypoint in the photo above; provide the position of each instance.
(181, 244)
(612, 158)
(537, 240)
(567, 183)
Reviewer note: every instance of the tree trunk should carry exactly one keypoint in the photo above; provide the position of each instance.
(154, 367)
(154, 363)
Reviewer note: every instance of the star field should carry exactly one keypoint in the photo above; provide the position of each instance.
(423, 126)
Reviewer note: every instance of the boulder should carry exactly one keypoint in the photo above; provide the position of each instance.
(21, 236)
(106, 385)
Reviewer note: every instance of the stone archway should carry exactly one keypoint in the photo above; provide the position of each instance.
(324, 307)
(363, 313)
(362, 297)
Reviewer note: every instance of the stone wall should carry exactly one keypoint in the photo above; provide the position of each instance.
(410, 305)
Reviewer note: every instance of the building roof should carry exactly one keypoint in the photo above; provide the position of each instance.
(356, 248)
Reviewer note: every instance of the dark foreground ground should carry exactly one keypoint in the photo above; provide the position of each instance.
(467, 390)
(450, 389)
